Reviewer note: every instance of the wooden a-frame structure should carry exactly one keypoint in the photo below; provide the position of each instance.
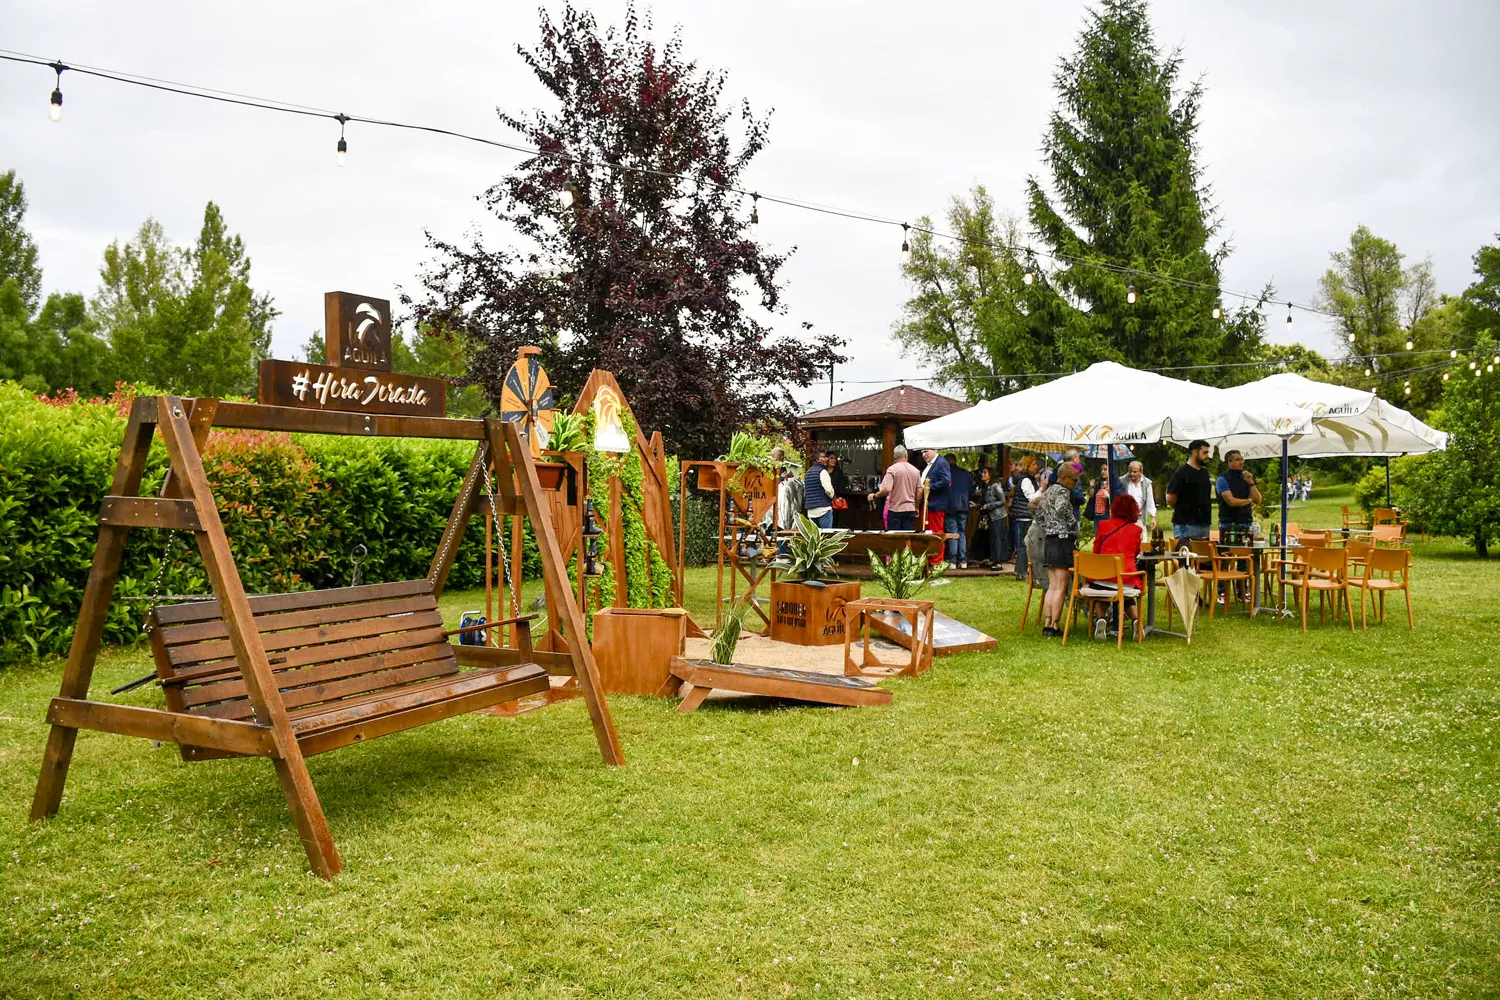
(351, 664)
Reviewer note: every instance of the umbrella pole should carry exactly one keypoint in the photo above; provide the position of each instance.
(1285, 469)
(1387, 481)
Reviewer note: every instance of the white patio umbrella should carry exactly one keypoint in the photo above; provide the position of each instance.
(1345, 422)
(1108, 403)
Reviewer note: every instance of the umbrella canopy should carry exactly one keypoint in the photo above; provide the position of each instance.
(1108, 403)
(1345, 422)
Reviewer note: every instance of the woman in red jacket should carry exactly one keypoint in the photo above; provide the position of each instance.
(1121, 535)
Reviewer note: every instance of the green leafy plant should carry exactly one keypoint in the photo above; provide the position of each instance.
(568, 434)
(727, 638)
(904, 574)
(811, 552)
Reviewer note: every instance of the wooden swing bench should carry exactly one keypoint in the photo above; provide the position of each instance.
(287, 676)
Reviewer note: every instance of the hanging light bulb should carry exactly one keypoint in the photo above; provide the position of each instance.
(1130, 294)
(905, 245)
(1289, 318)
(1408, 390)
(1029, 275)
(1497, 359)
(54, 109)
(1453, 353)
(1351, 338)
(341, 156)
(568, 196)
(1445, 376)
(1410, 344)
(1368, 372)
(1473, 365)
(754, 214)
(1218, 313)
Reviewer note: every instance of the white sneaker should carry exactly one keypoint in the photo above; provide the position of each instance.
(963, 565)
(1101, 629)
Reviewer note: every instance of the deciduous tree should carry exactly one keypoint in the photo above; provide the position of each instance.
(652, 270)
(18, 253)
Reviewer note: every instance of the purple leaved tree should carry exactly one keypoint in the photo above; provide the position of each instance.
(649, 271)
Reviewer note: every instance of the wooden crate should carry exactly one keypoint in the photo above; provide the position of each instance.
(810, 616)
(634, 647)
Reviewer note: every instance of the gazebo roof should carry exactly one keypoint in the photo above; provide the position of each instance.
(906, 402)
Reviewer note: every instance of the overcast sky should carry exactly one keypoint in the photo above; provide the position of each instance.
(1319, 117)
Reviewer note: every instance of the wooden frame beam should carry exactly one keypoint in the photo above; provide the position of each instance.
(149, 512)
(181, 728)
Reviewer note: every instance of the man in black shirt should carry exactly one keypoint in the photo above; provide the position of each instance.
(1190, 492)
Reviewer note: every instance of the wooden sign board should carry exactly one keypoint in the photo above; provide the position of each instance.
(321, 387)
(357, 331)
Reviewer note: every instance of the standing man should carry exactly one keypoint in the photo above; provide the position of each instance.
(1190, 492)
(817, 487)
(899, 487)
(1140, 489)
(960, 496)
(1237, 492)
(1023, 490)
(937, 477)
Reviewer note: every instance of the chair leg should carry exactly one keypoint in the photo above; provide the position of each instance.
(1026, 611)
(1067, 617)
(1348, 606)
(1364, 618)
(1120, 632)
(1411, 621)
(1303, 601)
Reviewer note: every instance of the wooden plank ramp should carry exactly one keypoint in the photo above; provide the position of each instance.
(703, 677)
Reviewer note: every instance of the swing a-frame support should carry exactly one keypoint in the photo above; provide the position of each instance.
(286, 676)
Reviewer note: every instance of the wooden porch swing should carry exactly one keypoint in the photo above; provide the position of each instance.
(286, 676)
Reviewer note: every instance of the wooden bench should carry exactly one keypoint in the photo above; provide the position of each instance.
(350, 664)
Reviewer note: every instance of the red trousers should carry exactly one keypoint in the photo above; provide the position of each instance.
(936, 521)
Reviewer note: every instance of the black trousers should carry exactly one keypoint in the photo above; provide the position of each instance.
(902, 520)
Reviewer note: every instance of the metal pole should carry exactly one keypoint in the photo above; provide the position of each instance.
(830, 383)
(1285, 468)
(1387, 481)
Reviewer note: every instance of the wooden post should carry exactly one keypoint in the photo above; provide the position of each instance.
(239, 623)
(89, 631)
(556, 578)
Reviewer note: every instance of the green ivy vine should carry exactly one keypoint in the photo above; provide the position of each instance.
(648, 576)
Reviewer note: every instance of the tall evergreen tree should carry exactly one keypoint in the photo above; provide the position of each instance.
(184, 320)
(1127, 191)
(645, 274)
(18, 254)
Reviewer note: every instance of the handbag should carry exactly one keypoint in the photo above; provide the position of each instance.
(839, 503)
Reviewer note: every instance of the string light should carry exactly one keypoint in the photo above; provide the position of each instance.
(1368, 372)
(905, 246)
(1351, 338)
(1130, 294)
(1217, 312)
(1289, 318)
(1410, 345)
(1453, 353)
(54, 109)
(1445, 376)
(1029, 275)
(754, 213)
(568, 196)
(341, 156)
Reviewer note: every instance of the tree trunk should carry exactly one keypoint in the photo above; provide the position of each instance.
(1480, 545)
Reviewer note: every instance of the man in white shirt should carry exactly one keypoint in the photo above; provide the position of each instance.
(1139, 487)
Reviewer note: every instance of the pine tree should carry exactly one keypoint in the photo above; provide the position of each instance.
(1127, 191)
(645, 274)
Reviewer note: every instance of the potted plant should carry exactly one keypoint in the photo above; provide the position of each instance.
(567, 439)
(721, 650)
(807, 600)
(905, 574)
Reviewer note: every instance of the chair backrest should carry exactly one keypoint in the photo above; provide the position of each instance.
(1292, 531)
(1388, 534)
(1314, 538)
(1200, 547)
(1388, 561)
(1333, 561)
(1384, 515)
(1099, 566)
(1356, 548)
(324, 645)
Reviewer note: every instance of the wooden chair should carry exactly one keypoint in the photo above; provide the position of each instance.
(1326, 571)
(1089, 567)
(1032, 585)
(1231, 566)
(1383, 567)
(350, 664)
(1353, 517)
(1292, 530)
(1384, 515)
(1319, 539)
(1389, 535)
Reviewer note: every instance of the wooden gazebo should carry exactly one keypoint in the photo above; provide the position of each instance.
(866, 430)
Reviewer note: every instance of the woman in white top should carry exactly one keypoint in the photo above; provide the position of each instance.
(1139, 487)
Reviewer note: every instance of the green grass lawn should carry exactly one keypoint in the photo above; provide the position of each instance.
(1264, 813)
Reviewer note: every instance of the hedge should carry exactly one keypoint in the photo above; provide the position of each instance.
(294, 508)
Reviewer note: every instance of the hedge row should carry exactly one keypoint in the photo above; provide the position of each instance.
(295, 508)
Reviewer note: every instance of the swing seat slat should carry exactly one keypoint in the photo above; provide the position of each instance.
(350, 664)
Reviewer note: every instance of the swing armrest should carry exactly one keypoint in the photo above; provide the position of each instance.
(523, 629)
